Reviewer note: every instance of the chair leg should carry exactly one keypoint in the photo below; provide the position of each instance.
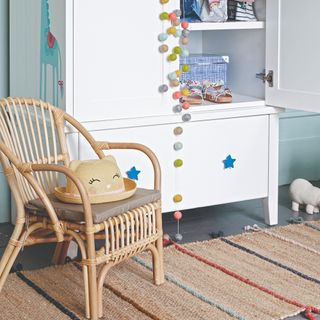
(86, 290)
(93, 292)
(101, 279)
(157, 261)
(158, 257)
(60, 252)
(7, 262)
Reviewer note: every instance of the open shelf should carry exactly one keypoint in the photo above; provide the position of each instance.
(233, 25)
(239, 101)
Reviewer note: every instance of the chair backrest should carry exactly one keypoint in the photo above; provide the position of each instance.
(34, 132)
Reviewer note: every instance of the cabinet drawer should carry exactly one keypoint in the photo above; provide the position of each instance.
(158, 138)
(203, 179)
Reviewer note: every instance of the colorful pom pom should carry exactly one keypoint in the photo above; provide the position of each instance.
(178, 33)
(177, 109)
(172, 16)
(166, 239)
(186, 105)
(177, 215)
(177, 50)
(177, 198)
(172, 76)
(185, 53)
(185, 40)
(164, 1)
(171, 30)
(178, 131)
(186, 117)
(185, 68)
(164, 16)
(178, 146)
(178, 237)
(172, 57)
(176, 22)
(185, 25)
(185, 33)
(178, 12)
(178, 163)
(163, 48)
(185, 92)
(177, 95)
(163, 37)
(163, 88)
(178, 73)
(174, 83)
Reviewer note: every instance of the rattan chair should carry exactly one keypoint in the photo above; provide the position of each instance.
(34, 154)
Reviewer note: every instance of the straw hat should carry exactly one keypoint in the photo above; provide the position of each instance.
(102, 179)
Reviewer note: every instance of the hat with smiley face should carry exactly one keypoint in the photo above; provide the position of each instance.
(102, 179)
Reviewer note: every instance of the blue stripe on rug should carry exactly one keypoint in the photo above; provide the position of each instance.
(46, 296)
(312, 226)
(192, 291)
(278, 264)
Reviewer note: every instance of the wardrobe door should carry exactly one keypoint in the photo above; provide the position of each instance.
(293, 52)
(117, 64)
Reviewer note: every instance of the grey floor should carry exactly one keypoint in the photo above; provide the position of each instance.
(196, 225)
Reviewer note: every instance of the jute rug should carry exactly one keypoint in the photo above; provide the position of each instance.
(261, 274)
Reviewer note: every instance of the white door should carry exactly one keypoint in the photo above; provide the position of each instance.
(293, 50)
(118, 68)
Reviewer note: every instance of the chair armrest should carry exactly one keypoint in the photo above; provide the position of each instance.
(101, 145)
(78, 183)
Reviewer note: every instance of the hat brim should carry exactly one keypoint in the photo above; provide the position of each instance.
(129, 185)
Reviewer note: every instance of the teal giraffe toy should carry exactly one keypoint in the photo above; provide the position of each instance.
(50, 55)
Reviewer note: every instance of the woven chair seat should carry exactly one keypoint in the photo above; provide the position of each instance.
(100, 212)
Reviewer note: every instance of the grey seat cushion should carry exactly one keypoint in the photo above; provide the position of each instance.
(100, 212)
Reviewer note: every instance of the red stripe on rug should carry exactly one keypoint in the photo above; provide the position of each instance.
(308, 309)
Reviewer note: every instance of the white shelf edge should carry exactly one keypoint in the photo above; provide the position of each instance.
(233, 25)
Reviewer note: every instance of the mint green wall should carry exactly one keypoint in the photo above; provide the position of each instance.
(299, 146)
(4, 81)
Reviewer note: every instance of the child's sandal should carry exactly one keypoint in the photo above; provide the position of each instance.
(223, 96)
(195, 92)
(215, 92)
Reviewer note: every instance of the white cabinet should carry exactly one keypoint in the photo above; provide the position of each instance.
(293, 54)
(203, 179)
(111, 70)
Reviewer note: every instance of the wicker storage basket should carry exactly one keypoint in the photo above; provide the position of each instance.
(206, 67)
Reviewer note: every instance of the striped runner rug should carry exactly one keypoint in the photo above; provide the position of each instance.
(261, 274)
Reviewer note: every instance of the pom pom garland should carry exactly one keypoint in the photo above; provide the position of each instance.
(177, 95)
(172, 30)
(178, 163)
(162, 37)
(172, 57)
(173, 16)
(177, 198)
(164, 16)
(185, 105)
(163, 48)
(178, 131)
(185, 25)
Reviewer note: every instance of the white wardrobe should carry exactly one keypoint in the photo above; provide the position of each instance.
(105, 69)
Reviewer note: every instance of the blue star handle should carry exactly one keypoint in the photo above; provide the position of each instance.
(133, 173)
(229, 162)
